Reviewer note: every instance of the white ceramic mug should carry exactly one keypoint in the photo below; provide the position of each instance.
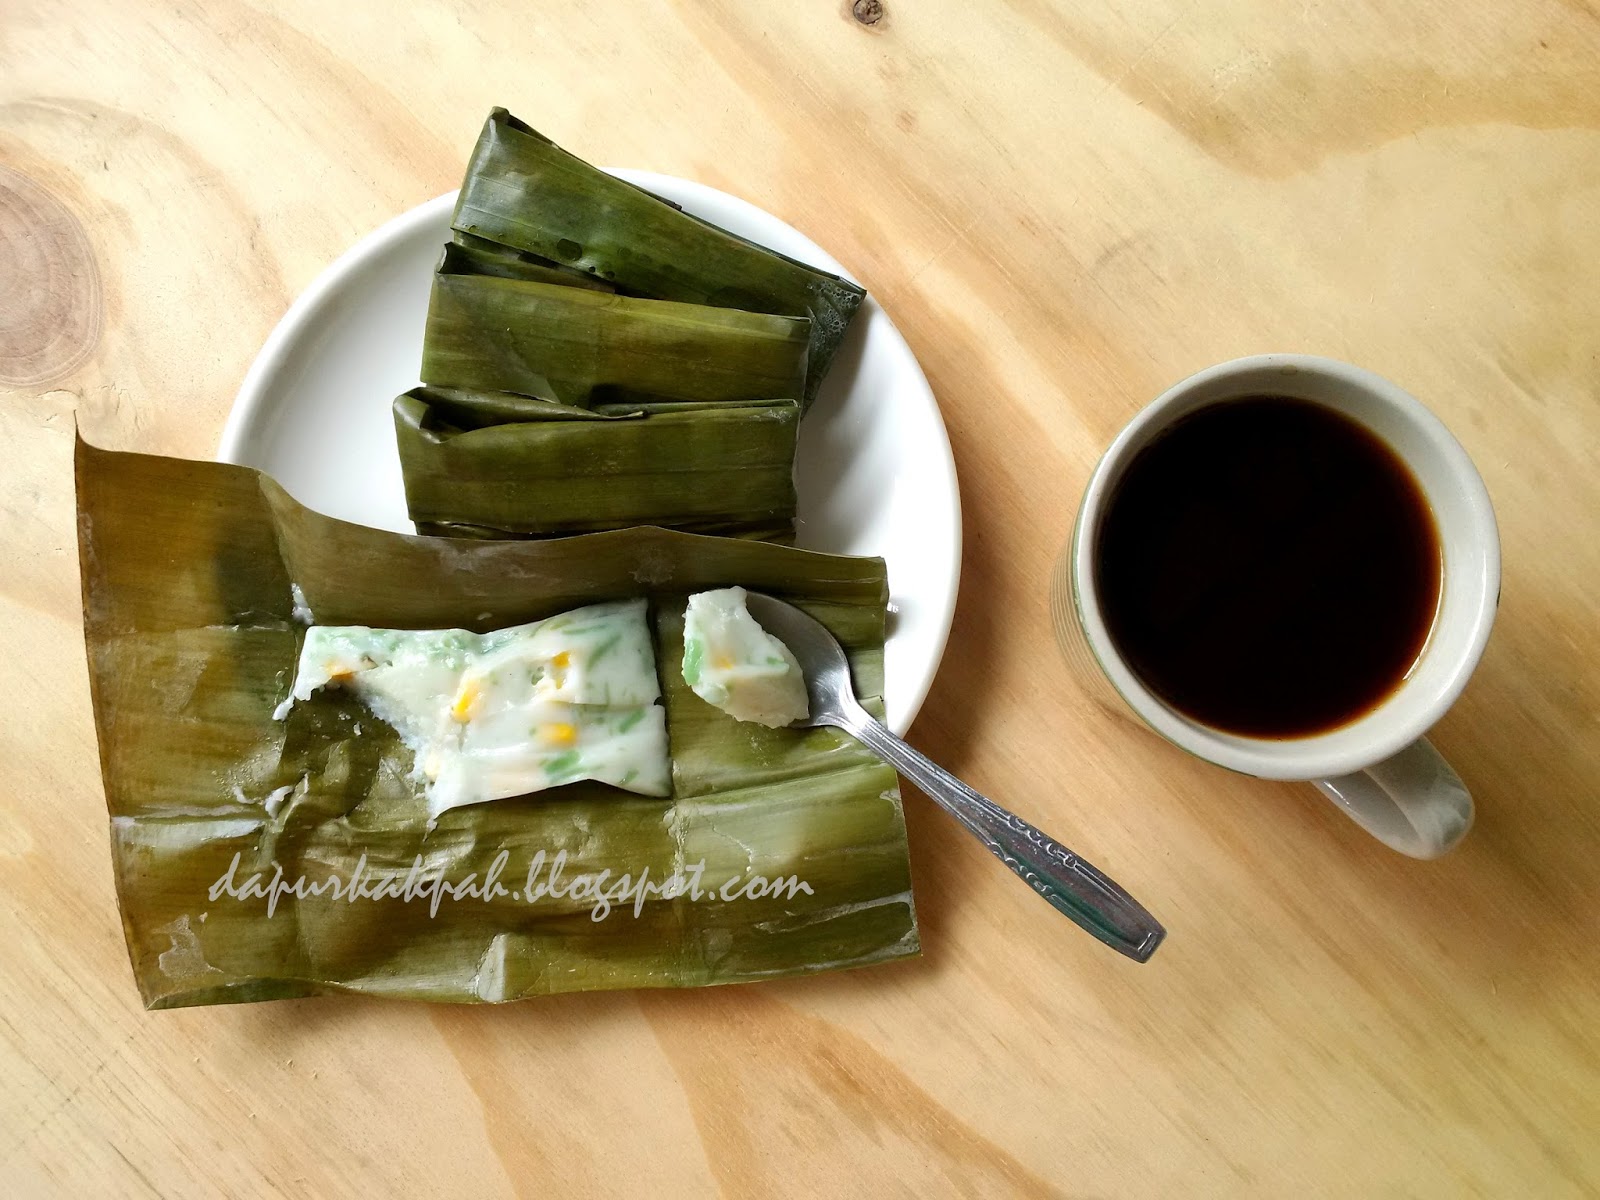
(1378, 768)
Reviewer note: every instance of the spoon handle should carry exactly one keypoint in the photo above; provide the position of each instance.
(1074, 887)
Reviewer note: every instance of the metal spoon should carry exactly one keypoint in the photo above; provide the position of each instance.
(1072, 886)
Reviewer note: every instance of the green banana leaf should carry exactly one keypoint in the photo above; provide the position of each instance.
(581, 347)
(468, 255)
(706, 468)
(524, 191)
(464, 408)
(193, 576)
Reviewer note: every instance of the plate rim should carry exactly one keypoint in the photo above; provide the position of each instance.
(250, 400)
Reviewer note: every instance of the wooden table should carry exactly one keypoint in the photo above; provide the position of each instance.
(1065, 206)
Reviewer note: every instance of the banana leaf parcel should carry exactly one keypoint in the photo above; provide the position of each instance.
(197, 577)
(512, 333)
(498, 464)
(468, 255)
(524, 191)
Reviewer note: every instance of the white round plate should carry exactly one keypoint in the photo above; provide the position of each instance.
(874, 470)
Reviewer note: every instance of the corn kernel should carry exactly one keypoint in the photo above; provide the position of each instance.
(560, 732)
(466, 700)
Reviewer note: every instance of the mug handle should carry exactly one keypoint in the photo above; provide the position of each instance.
(1413, 801)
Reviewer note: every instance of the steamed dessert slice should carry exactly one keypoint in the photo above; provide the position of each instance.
(509, 712)
(733, 663)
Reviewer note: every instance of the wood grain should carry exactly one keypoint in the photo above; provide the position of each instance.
(1065, 207)
(54, 310)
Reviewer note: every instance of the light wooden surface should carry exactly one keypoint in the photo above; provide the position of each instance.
(1065, 206)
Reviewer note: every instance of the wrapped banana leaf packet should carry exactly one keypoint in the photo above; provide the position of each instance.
(576, 344)
(496, 464)
(566, 295)
(524, 192)
(231, 826)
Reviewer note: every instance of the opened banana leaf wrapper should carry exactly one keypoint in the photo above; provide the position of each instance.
(199, 580)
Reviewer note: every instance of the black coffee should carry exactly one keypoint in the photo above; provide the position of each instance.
(1268, 567)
